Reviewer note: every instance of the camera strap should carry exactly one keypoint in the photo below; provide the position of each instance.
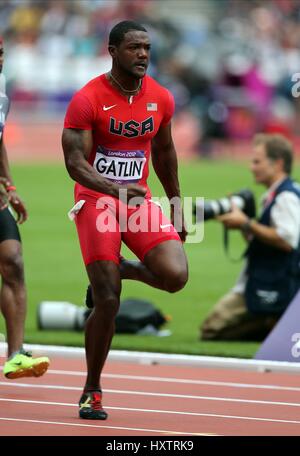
(226, 247)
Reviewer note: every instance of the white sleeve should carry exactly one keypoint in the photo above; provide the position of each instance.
(285, 217)
(2, 83)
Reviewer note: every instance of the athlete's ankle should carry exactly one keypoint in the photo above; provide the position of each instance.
(92, 389)
(15, 352)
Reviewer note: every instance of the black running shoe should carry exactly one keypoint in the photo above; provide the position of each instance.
(88, 298)
(90, 406)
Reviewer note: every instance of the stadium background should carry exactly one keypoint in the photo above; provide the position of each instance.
(229, 64)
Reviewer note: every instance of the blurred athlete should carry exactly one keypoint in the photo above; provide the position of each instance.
(13, 292)
(112, 126)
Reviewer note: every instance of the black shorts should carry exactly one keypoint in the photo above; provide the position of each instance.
(8, 226)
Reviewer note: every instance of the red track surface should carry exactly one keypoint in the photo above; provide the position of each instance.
(152, 400)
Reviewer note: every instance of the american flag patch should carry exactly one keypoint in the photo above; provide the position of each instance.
(151, 106)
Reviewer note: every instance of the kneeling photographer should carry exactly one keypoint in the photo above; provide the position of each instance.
(271, 276)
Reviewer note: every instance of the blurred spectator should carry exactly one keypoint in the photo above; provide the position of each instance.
(229, 63)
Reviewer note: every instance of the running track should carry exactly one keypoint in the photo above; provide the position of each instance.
(152, 400)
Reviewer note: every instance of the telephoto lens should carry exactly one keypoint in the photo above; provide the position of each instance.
(243, 199)
(60, 315)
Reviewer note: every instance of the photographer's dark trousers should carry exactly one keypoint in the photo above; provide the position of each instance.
(231, 320)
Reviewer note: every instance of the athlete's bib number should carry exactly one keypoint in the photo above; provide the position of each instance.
(121, 166)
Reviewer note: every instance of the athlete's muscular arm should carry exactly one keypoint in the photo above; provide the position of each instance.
(12, 197)
(4, 166)
(165, 164)
(4, 178)
(77, 145)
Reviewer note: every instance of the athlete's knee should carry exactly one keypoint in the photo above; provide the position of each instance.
(12, 268)
(111, 304)
(108, 302)
(176, 279)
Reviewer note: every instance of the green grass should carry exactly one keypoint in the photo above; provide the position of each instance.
(54, 269)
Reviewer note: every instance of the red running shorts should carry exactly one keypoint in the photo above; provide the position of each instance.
(104, 222)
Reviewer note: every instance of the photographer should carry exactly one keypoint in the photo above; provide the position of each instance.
(270, 278)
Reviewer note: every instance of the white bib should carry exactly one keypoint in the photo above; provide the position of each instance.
(120, 166)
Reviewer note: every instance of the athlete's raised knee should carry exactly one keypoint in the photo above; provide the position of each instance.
(176, 280)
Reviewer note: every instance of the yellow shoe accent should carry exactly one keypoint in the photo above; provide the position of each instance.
(23, 365)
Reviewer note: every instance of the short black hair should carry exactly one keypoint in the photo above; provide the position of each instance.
(117, 33)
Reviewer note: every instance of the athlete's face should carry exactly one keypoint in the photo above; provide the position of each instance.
(1, 56)
(132, 55)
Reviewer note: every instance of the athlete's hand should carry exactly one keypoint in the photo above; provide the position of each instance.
(18, 205)
(130, 191)
(177, 219)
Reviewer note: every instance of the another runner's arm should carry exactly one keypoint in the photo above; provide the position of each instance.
(13, 198)
(4, 181)
(165, 164)
(4, 166)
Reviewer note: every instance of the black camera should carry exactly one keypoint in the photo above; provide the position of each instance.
(243, 199)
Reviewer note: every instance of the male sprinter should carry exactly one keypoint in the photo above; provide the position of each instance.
(13, 292)
(112, 126)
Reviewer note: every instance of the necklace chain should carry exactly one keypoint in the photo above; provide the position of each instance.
(122, 88)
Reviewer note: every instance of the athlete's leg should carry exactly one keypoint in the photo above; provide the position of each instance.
(13, 302)
(164, 267)
(136, 270)
(156, 243)
(167, 261)
(13, 293)
(100, 242)
(106, 288)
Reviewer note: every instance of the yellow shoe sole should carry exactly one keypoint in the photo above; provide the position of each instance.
(33, 371)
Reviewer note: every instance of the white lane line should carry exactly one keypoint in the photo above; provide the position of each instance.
(211, 362)
(178, 380)
(33, 385)
(172, 412)
(146, 393)
(127, 409)
(63, 423)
